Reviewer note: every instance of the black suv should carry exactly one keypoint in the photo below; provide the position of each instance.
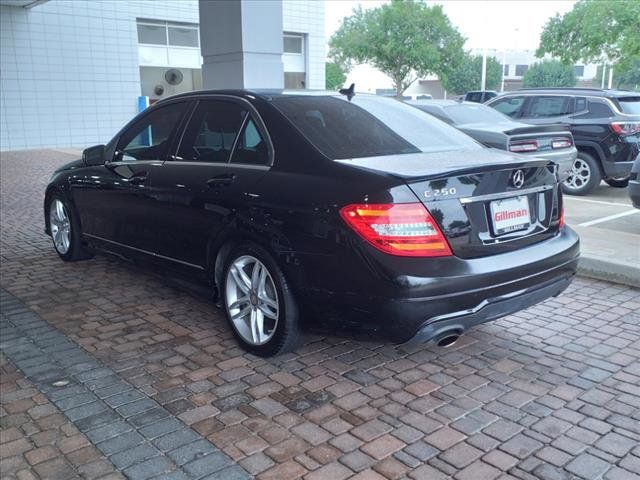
(605, 125)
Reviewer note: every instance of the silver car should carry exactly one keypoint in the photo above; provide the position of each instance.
(493, 129)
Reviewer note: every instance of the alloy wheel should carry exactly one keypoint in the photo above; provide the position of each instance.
(251, 300)
(60, 226)
(579, 176)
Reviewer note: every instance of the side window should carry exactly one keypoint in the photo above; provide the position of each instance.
(581, 105)
(148, 138)
(509, 106)
(251, 148)
(211, 132)
(599, 110)
(552, 106)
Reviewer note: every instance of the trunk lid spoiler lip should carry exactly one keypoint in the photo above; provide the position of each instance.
(429, 169)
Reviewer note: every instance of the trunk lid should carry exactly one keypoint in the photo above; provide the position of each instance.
(476, 199)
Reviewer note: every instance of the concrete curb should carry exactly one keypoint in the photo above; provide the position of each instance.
(594, 267)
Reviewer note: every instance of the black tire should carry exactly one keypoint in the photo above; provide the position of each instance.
(612, 182)
(587, 178)
(76, 251)
(287, 334)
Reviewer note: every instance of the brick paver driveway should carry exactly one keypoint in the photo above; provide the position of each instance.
(551, 393)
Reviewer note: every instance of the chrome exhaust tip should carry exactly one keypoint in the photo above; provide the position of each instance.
(448, 340)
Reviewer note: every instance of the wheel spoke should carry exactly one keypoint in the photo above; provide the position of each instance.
(255, 333)
(243, 312)
(266, 300)
(255, 275)
(238, 302)
(262, 283)
(60, 211)
(264, 309)
(242, 280)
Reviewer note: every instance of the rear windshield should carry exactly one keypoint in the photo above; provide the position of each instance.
(462, 114)
(369, 126)
(630, 105)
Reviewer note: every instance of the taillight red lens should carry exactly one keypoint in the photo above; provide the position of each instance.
(405, 229)
(561, 143)
(523, 146)
(625, 128)
(561, 219)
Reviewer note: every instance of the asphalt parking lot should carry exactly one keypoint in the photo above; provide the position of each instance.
(609, 228)
(109, 371)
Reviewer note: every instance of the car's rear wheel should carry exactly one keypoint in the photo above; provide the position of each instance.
(584, 176)
(65, 230)
(259, 304)
(617, 183)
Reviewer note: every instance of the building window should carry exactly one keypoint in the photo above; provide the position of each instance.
(175, 34)
(293, 43)
(521, 70)
(294, 80)
(505, 70)
(578, 70)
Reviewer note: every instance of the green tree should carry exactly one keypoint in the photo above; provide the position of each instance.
(334, 76)
(594, 31)
(405, 39)
(627, 75)
(549, 73)
(466, 74)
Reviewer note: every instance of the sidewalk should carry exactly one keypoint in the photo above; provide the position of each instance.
(609, 229)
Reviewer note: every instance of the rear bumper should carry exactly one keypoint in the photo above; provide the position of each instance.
(429, 296)
(617, 169)
(490, 309)
(634, 192)
(564, 160)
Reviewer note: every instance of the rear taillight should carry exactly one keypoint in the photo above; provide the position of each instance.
(625, 128)
(520, 146)
(405, 229)
(561, 219)
(561, 143)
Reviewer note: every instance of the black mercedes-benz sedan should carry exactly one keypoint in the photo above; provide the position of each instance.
(347, 211)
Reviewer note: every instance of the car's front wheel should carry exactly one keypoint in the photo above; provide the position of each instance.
(259, 303)
(584, 176)
(65, 230)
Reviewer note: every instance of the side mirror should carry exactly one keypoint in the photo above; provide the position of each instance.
(94, 155)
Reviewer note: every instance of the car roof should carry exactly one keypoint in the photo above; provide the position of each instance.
(434, 103)
(264, 93)
(591, 92)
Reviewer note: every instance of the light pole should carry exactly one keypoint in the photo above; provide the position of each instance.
(484, 69)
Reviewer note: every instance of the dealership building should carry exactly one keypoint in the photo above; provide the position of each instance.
(72, 70)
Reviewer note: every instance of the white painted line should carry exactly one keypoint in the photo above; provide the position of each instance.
(610, 217)
(567, 197)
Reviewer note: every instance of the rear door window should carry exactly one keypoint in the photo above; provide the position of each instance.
(595, 109)
(251, 149)
(551, 106)
(212, 131)
(630, 105)
(509, 106)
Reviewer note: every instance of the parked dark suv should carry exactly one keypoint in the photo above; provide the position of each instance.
(605, 125)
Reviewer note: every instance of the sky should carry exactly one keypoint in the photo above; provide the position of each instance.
(516, 24)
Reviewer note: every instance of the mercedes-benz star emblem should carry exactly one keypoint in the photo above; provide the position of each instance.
(517, 179)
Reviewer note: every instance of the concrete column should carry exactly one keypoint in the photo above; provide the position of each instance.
(241, 43)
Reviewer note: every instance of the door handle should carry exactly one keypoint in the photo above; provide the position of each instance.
(220, 180)
(137, 179)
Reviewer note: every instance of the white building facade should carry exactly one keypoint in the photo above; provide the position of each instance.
(72, 70)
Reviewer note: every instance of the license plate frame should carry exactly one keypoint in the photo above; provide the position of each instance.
(510, 214)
